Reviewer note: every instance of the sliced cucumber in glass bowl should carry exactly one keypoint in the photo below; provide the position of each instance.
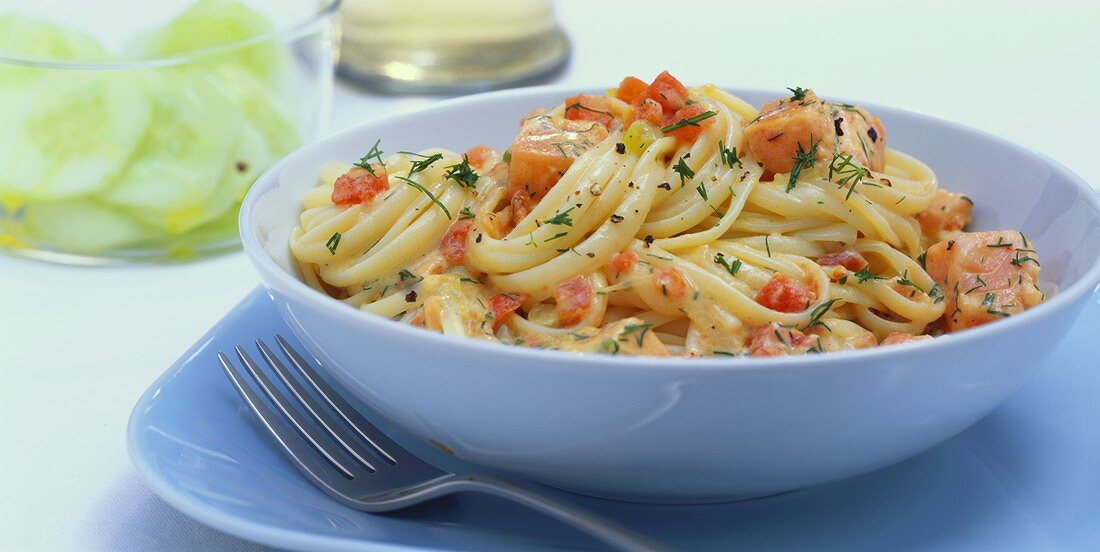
(179, 160)
(84, 224)
(211, 23)
(71, 134)
(144, 155)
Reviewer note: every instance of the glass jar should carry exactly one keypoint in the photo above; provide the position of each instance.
(130, 130)
(449, 47)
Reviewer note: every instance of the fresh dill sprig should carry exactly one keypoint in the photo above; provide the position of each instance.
(729, 156)
(579, 105)
(640, 328)
(428, 193)
(798, 93)
(561, 219)
(905, 281)
(690, 121)
(936, 295)
(865, 274)
(424, 162)
(819, 312)
(684, 170)
(462, 173)
(609, 346)
(802, 160)
(732, 268)
(374, 153)
(333, 242)
(851, 174)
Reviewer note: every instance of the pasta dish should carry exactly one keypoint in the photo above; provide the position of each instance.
(659, 219)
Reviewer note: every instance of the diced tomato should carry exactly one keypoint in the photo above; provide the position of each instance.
(502, 305)
(586, 107)
(785, 295)
(667, 91)
(984, 276)
(358, 185)
(671, 283)
(774, 340)
(848, 259)
(479, 156)
(649, 110)
(902, 337)
(574, 299)
(453, 244)
(545, 148)
(622, 262)
(630, 88)
(690, 132)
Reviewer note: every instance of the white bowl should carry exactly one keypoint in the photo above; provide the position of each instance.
(679, 430)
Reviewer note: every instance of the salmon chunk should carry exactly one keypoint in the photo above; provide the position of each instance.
(774, 340)
(598, 109)
(545, 148)
(946, 216)
(984, 276)
(573, 298)
(788, 125)
(848, 259)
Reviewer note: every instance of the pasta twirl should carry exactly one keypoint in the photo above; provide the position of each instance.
(665, 220)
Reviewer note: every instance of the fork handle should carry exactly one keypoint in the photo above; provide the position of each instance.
(597, 526)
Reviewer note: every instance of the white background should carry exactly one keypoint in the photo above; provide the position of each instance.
(79, 346)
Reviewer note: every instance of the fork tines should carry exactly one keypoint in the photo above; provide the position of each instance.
(329, 426)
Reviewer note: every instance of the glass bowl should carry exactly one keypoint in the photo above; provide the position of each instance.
(131, 130)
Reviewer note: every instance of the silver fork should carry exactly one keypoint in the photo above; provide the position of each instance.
(352, 461)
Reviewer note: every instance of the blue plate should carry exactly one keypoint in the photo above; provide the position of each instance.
(1026, 477)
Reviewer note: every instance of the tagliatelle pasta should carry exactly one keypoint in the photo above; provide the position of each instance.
(659, 220)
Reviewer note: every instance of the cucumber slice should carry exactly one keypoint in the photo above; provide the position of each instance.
(265, 137)
(71, 134)
(221, 229)
(213, 23)
(84, 226)
(179, 161)
(42, 39)
(250, 158)
(12, 99)
(268, 113)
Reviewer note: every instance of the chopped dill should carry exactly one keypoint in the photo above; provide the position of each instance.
(374, 153)
(426, 192)
(803, 159)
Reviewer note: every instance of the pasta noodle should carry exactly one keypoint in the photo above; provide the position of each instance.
(669, 244)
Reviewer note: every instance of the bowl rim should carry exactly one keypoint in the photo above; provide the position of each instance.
(326, 10)
(343, 314)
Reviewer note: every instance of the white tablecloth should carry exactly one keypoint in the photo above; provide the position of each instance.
(78, 346)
